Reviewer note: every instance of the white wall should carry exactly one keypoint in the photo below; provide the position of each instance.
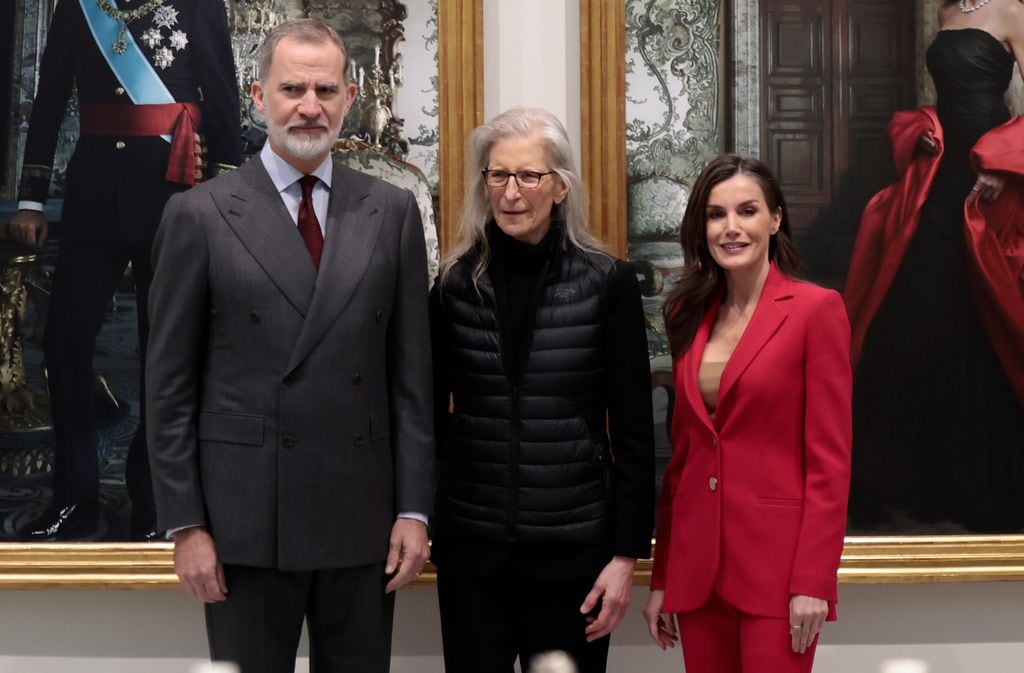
(958, 628)
(532, 57)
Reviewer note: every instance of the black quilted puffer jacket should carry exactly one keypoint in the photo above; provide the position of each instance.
(525, 454)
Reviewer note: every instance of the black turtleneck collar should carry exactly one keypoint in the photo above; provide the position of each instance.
(517, 271)
(516, 253)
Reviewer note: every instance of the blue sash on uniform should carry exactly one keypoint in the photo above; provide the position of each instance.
(131, 68)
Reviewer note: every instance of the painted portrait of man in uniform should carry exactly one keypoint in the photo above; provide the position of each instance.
(110, 108)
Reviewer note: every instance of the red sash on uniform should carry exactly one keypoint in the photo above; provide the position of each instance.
(179, 120)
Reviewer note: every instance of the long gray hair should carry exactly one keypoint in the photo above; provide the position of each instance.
(476, 208)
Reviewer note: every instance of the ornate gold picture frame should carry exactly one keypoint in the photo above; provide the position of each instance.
(866, 560)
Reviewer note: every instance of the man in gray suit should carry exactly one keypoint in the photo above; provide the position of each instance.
(288, 383)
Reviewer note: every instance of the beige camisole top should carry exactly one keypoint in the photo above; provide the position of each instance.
(709, 377)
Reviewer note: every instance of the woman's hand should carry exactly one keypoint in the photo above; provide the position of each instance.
(926, 144)
(988, 186)
(806, 616)
(661, 627)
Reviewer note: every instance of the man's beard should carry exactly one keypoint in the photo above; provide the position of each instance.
(301, 145)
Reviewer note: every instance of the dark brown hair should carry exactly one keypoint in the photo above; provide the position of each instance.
(702, 280)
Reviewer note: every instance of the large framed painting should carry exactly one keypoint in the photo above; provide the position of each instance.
(418, 67)
(808, 86)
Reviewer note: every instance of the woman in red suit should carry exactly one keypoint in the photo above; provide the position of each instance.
(753, 506)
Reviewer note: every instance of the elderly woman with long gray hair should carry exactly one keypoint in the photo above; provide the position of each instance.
(545, 494)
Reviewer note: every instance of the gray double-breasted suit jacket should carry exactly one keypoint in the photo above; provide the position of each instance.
(290, 410)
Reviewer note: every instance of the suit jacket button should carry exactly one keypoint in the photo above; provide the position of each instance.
(713, 483)
(714, 441)
(357, 440)
(288, 441)
(254, 318)
(119, 91)
(379, 316)
(291, 378)
(120, 145)
(357, 379)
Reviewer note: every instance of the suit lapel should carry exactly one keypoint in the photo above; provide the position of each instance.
(691, 364)
(353, 226)
(768, 317)
(257, 215)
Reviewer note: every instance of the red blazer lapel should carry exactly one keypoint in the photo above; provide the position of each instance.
(691, 363)
(768, 317)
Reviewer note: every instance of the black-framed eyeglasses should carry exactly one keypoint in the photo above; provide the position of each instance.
(525, 179)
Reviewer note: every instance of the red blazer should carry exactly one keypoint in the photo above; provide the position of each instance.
(994, 233)
(754, 503)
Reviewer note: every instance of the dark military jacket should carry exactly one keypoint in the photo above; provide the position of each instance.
(115, 186)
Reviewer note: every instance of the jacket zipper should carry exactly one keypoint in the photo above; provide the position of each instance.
(513, 467)
(515, 370)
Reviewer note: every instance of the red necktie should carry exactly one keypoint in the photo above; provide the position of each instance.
(309, 226)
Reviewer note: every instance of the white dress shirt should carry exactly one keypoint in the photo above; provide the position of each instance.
(286, 178)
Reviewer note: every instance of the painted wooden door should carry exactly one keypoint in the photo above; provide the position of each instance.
(834, 72)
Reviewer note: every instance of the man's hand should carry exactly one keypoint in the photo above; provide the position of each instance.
(29, 227)
(661, 627)
(195, 562)
(200, 152)
(614, 588)
(408, 552)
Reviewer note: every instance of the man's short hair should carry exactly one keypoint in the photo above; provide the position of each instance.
(306, 31)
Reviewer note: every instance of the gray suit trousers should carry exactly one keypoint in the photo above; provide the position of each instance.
(348, 615)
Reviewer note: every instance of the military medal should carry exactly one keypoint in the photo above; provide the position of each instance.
(165, 17)
(152, 38)
(163, 58)
(120, 45)
(178, 40)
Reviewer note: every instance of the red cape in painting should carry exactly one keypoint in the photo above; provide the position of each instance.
(994, 233)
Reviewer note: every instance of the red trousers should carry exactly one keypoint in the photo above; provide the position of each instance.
(718, 638)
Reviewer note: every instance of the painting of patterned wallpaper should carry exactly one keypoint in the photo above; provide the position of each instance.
(392, 130)
(21, 63)
(674, 127)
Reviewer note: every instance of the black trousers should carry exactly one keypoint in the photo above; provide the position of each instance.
(487, 622)
(348, 615)
(87, 275)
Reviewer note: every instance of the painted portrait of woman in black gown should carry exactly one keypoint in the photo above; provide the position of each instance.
(938, 408)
